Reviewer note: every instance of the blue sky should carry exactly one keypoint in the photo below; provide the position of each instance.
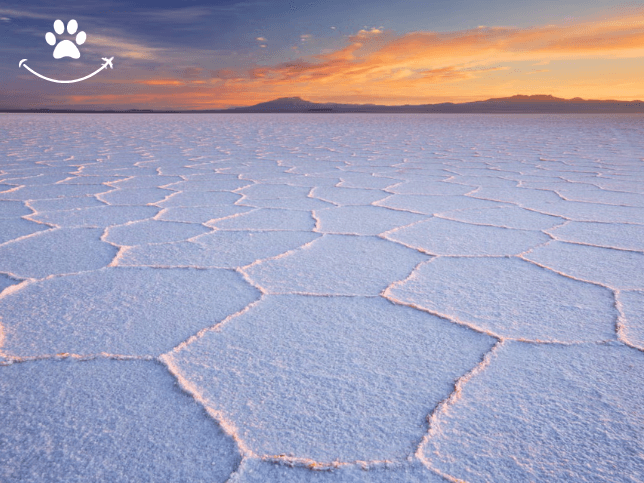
(197, 39)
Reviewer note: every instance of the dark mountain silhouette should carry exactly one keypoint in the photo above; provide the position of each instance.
(514, 104)
(518, 104)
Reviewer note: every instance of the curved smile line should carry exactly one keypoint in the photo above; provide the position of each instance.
(107, 62)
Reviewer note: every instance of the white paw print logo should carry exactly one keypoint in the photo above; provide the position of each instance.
(66, 48)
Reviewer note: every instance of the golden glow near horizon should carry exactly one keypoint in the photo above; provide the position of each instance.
(600, 58)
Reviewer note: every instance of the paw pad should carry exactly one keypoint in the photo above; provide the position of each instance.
(66, 48)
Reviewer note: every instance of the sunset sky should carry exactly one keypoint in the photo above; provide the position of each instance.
(201, 55)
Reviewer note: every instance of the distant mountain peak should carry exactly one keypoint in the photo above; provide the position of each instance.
(285, 104)
(532, 98)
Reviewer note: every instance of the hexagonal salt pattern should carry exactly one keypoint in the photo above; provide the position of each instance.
(445, 237)
(267, 219)
(545, 413)
(505, 217)
(510, 298)
(47, 192)
(100, 216)
(140, 196)
(607, 235)
(105, 420)
(153, 231)
(618, 269)
(133, 311)
(314, 378)
(362, 220)
(348, 196)
(338, 265)
(58, 251)
(221, 249)
(261, 250)
(200, 214)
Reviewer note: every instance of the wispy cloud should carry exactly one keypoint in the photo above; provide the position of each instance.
(177, 15)
(197, 13)
(123, 48)
(13, 13)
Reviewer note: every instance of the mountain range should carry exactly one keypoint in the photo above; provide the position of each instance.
(518, 104)
(514, 104)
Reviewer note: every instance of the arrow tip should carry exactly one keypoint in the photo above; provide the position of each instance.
(20, 64)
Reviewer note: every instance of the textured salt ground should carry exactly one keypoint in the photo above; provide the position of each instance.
(303, 203)
(362, 220)
(132, 311)
(230, 249)
(318, 373)
(273, 192)
(46, 192)
(433, 204)
(348, 196)
(257, 471)
(268, 219)
(510, 298)
(607, 235)
(6, 282)
(550, 203)
(139, 182)
(546, 413)
(54, 252)
(200, 214)
(12, 228)
(445, 237)
(593, 194)
(13, 209)
(366, 182)
(153, 231)
(100, 216)
(505, 217)
(42, 179)
(352, 266)
(105, 420)
(278, 185)
(139, 196)
(632, 305)
(64, 204)
(613, 268)
(92, 179)
(199, 198)
(208, 185)
(426, 187)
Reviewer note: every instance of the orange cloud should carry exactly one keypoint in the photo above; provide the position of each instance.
(396, 67)
(160, 82)
(421, 67)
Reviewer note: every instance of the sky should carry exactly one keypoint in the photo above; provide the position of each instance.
(219, 54)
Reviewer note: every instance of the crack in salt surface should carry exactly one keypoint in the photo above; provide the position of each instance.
(191, 389)
(444, 405)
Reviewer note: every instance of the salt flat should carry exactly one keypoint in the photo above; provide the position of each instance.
(269, 298)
